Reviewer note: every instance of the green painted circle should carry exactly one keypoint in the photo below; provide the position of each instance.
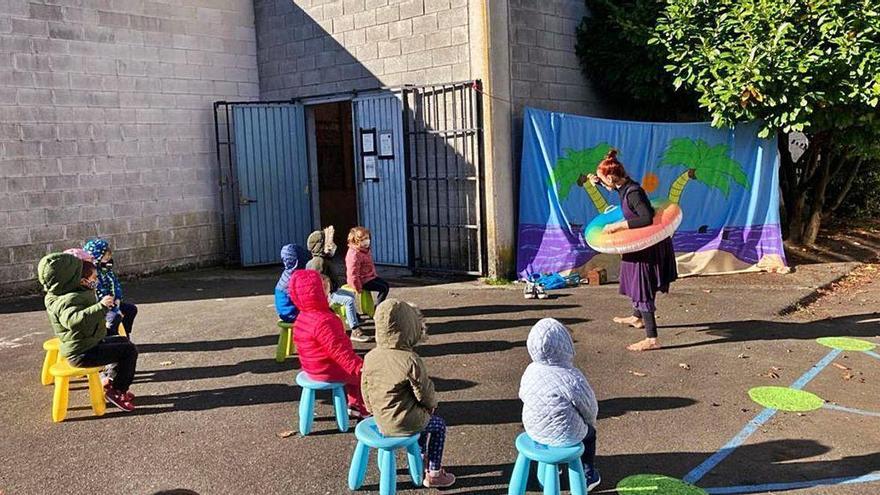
(656, 484)
(786, 399)
(847, 343)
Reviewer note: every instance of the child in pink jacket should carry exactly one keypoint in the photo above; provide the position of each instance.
(360, 272)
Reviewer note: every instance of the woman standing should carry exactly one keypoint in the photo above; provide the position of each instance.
(642, 273)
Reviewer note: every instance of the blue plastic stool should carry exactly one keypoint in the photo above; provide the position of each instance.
(369, 437)
(307, 402)
(548, 458)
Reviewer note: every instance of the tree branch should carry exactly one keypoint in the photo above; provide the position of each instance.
(850, 179)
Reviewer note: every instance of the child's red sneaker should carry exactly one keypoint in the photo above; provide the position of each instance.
(119, 399)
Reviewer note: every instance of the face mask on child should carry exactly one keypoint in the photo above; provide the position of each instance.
(107, 264)
(365, 244)
(90, 283)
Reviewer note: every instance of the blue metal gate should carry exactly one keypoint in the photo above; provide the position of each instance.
(382, 201)
(273, 205)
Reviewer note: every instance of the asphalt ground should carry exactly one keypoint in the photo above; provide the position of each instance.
(212, 401)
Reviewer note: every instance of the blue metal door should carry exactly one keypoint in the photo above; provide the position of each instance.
(274, 205)
(382, 201)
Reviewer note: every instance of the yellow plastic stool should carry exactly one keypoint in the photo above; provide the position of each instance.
(286, 347)
(341, 313)
(51, 347)
(63, 372)
(363, 300)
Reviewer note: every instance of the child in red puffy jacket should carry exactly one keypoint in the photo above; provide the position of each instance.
(360, 272)
(325, 352)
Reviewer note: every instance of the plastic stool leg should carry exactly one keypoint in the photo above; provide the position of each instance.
(50, 359)
(306, 411)
(520, 477)
(414, 458)
(551, 480)
(59, 398)
(341, 407)
(367, 306)
(122, 331)
(96, 394)
(358, 470)
(387, 473)
(283, 345)
(542, 471)
(291, 345)
(577, 479)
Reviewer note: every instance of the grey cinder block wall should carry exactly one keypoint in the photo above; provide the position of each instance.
(106, 127)
(106, 123)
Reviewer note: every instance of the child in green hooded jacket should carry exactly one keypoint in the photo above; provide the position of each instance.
(78, 320)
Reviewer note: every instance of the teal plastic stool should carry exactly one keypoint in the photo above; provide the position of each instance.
(548, 458)
(369, 437)
(307, 402)
(285, 346)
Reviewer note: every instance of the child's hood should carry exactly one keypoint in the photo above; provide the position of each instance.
(307, 291)
(293, 256)
(550, 343)
(60, 273)
(315, 243)
(398, 325)
(96, 248)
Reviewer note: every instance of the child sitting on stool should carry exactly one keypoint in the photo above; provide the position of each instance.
(559, 406)
(108, 285)
(398, 390)
(294, 258)
(325, 353)
(360, 272)
(78, 320)
(320, 243)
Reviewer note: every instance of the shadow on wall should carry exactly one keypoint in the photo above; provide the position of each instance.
(298, 57)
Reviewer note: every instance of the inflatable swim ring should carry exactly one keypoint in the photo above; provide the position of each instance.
(667, 217)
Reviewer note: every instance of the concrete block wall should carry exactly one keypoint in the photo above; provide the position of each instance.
(309, 47)
(106, 127)
(544, 69)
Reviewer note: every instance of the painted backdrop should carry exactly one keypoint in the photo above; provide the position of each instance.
(725, 181)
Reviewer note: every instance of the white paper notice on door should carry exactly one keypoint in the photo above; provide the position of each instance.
(370, 172)
(386, 144)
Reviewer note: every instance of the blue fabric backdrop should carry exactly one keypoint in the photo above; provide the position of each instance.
(730, 208)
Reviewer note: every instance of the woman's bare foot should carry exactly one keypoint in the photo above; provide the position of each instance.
(644, 345)
(631, 321)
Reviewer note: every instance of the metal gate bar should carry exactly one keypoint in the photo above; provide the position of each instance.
(444, 124)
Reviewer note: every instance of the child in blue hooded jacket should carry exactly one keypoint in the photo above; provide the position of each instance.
(108, 285)
(294, 257)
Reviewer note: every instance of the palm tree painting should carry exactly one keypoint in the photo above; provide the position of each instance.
(573, 168)
(709, 165)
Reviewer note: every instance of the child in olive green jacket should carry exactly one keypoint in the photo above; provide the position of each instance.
(397, 389)
(78, 320)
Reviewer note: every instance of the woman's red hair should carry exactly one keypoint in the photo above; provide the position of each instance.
(611, 167)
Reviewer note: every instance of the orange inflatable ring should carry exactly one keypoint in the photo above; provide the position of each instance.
(667, 217)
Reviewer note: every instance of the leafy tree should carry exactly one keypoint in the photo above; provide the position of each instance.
(810, 66)
(612, 47)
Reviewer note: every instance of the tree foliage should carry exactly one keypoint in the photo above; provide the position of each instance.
(796, 65)
(810, 66)
(612, 47)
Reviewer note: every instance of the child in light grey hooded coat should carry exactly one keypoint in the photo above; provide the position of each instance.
(559, 406)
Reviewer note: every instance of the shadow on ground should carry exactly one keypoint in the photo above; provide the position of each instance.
(864, 325)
